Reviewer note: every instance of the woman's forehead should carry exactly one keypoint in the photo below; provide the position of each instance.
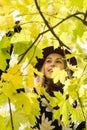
(54, 55)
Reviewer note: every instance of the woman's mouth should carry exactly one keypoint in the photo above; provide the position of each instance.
(50, 70)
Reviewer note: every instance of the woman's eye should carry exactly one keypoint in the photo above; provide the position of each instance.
(48, 61)
(58, 61)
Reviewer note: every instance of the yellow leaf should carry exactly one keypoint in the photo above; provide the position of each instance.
(13, 77)
(58, 75)
(35, 29)
(6, 22)
(78, 73)
(30, 76)
(21, 101)
(8, 90)
(81, 91)
(63, 75)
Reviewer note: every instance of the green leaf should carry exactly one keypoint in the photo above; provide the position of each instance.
(19, 117)
(78, 4)
(30, 52)
(33, 53)
(22, 37)
(3, 99)
(65, 109)
(23, 45)
(5, 42)
(4, 55)
(28, 128)
(2, 126)
(77, 115)
(56, 114)
(79, 30)
(7, 123)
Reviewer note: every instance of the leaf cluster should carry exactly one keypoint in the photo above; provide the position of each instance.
(38, 24)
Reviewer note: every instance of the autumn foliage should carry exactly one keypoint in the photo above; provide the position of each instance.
(26, 27)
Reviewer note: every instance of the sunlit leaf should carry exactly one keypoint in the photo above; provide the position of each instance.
(5, 42)
(30, 77)
(58, 75)
(78, 73)
(62, 23)
(2, 127)
(6, 22)
(4, 55)
(78, 4)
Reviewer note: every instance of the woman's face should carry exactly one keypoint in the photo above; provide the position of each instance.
(52, 60)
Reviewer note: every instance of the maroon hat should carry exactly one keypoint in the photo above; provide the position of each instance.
(50, 50)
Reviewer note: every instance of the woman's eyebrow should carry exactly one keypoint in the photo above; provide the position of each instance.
(48, 58)
(60, 58)
(56, 58)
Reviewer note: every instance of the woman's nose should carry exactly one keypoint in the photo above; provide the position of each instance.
(53, 64)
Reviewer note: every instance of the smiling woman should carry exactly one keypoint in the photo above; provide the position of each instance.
(52, 58)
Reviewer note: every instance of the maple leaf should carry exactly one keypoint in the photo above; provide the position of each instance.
(4, 55)
(58, 75)
(13, 78)
(30, 77)
(46, 124)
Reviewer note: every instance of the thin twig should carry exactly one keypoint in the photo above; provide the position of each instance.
(10, 110)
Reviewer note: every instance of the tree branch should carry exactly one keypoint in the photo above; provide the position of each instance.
(51, 29)
(23, 55)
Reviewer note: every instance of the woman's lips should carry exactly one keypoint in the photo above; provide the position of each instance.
(50, 70)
